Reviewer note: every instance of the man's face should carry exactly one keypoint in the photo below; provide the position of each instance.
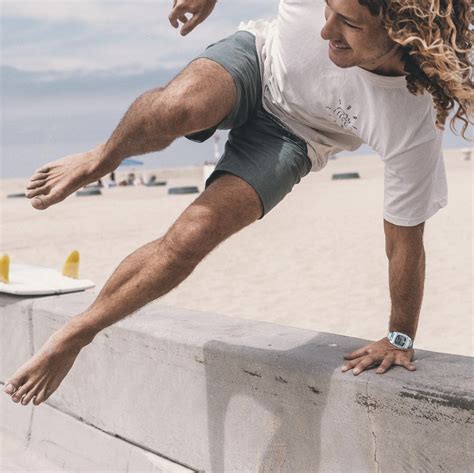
(351, 25)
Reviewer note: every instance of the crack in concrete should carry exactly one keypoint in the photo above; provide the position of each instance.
(30, 428)
(30, 329)
(128, 461)
(32, 352)
(371, 426)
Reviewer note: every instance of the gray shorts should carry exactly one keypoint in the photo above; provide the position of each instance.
(259, 149)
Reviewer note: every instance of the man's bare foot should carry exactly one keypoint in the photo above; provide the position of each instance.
(39, 377)
(54, 181)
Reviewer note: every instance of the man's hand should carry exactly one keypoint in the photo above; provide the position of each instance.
(381, 353)
(199, 9)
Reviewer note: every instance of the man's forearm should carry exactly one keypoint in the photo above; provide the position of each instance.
(407, 277)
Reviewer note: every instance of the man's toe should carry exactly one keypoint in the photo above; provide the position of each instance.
(38, 191)
(10, 388)
(22, 390)
(38, 398)
(35, 184)
(43, 169)
(28, 397)
(18, 394)
(38, 176)
(38, 203)
(16, 397)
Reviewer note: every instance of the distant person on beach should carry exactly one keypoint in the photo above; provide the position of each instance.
(321, 78)
(112, 181)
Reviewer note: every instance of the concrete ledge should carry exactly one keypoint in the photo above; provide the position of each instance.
(71, 444)
(205, 392)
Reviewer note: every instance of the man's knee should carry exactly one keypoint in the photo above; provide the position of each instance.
(224, 208)
(192, 236)
(171, 110)
(200, 97)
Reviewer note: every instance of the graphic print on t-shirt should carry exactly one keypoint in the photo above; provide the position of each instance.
(341, 116)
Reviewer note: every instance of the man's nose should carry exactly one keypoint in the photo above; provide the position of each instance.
(329, 30)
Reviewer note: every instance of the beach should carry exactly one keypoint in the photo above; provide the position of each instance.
(316, 261)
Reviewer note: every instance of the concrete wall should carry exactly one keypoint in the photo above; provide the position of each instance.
(170, 390)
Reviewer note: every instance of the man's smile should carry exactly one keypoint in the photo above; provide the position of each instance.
(338, 47)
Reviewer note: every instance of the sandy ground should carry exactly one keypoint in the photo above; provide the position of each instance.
(317, 261)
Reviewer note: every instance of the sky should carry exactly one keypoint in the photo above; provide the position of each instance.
(71, 68)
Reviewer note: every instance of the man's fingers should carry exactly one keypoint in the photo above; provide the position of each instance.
(403, 361)
(364, 364)
(177, 12)
(360, 364)
(173, 20)
(191, 24)
(377, 353)
(385, 365)
(357, 353)
(349, 365)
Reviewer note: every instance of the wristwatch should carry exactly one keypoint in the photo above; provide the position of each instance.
(400, 340)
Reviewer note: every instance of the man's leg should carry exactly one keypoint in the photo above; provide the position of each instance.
(226, 206)
(200, 97)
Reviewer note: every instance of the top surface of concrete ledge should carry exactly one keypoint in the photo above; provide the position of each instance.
(306, 349)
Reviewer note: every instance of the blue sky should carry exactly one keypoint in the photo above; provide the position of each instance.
(71, 68)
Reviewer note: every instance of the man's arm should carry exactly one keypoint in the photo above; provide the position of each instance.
(406, 255)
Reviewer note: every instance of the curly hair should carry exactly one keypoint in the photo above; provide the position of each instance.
(436, 46)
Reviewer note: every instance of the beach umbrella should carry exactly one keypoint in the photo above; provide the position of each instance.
(131, 162)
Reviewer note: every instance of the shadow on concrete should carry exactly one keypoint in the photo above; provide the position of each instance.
(289, 399)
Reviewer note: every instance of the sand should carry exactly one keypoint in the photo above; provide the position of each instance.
(317, 261)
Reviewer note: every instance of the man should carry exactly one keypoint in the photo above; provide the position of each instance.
(293, 92)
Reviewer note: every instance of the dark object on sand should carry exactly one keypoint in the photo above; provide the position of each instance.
(183, 190)
(152, 182)
(89, 191)
(15, 195)
(345, 175)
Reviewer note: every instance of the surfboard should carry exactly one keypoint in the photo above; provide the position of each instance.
(32, 280)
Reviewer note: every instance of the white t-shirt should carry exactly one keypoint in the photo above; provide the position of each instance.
(334, 109)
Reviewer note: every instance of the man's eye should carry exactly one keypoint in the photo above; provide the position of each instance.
(349, 25)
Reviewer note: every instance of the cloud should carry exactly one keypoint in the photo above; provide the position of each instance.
(47, 115)
(105, 12)
(95, 12)
(99, 35)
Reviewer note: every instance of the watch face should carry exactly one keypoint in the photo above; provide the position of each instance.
(400, 340)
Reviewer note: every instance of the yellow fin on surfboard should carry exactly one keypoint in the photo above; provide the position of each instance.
(32, 280)
(4, 268)
(71, 266)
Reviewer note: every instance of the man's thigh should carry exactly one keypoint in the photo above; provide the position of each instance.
(205, 91)
(266, 155)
